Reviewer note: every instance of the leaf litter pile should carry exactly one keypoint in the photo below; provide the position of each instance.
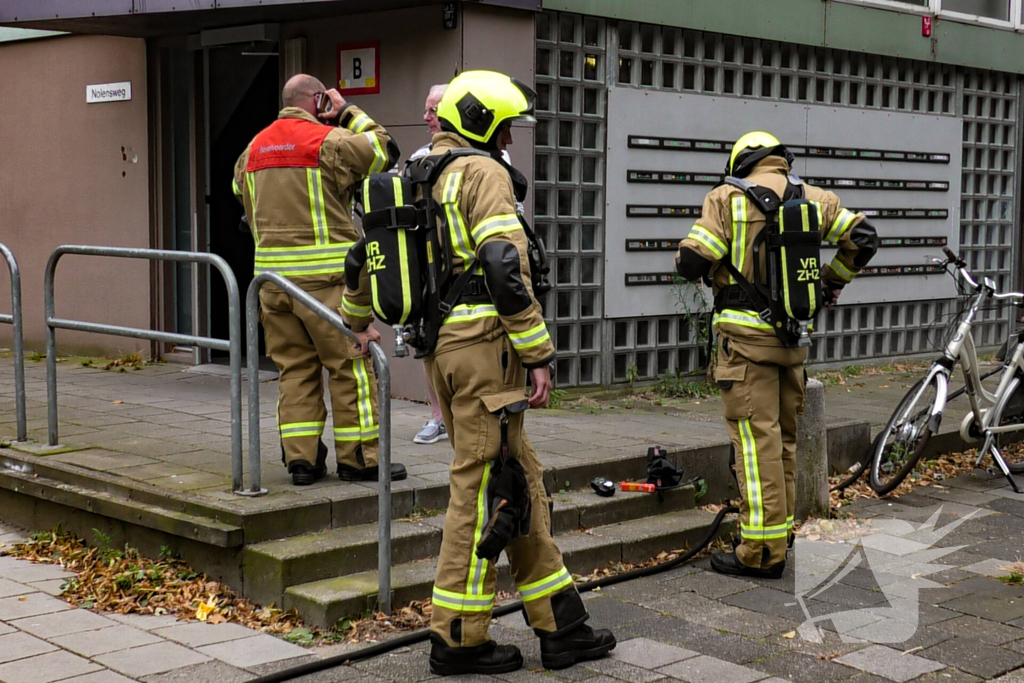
(124, 582)
(928, 473)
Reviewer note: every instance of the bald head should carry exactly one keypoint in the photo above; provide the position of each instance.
(299, 92)
(430, 107)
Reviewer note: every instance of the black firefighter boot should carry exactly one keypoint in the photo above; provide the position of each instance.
(489, 658)
(304, 474)
(729, 563)
(578, 645)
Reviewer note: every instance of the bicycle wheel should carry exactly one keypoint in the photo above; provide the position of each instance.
(899, 446)
(1012, 413)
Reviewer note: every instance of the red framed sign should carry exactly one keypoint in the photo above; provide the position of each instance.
(359, 68)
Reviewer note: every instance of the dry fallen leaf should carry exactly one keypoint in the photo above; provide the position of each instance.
(117, 402)
(206, 608)
(23, 598)
(791, 635)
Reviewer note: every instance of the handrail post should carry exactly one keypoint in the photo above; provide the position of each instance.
(252, 362)
(383, 371)
(235, 357)
(19, 343)
(51, 348)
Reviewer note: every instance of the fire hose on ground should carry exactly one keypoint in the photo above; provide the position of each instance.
(422, 635)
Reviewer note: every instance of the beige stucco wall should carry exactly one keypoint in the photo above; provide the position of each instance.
(415, 53)
(75, 173)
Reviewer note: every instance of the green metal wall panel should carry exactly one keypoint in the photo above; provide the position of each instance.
(837, 25)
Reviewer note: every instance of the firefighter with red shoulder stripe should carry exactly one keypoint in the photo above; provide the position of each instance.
(296, 180)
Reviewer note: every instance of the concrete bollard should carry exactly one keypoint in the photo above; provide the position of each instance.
(812, 455)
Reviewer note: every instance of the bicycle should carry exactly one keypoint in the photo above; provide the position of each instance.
(917, 417)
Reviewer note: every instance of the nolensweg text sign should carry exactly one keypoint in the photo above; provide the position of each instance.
(108, 92)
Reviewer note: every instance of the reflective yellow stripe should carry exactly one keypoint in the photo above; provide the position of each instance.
(530, 338)
(789, 522)
(739, 233)
(495, 225)
(549, 585)
(467, 312)
(460, 602)
(316, 205)
(844, 220)
(840, 270)
(360, 123)
(741, 318)
(250, 182)
(235, 188)
(355, 309)
(478, 566)
(305, 254)
(456, 225)
(403, 255)
(303, 269)
(290, 430)
(701, 234)
(380, 161)
(346, 434)
(765, 534)
(363, 396)
(751, 470)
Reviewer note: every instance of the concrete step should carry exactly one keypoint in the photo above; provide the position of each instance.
(272, 567)
(326, 601)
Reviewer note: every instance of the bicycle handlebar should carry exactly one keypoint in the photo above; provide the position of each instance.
(960, 268)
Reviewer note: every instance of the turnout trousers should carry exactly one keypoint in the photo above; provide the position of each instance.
(302, 344)
(762, 393)
(467, 381)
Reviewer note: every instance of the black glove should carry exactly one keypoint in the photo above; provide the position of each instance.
(830, 294)
(509, 495)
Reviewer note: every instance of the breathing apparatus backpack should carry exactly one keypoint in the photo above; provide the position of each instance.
(790, 245)
(412, 284)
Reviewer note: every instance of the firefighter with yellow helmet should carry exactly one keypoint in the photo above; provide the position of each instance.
(492, 338)
(757, 240)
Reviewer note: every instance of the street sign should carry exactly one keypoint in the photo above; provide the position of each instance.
(359, 68)
(108, 92)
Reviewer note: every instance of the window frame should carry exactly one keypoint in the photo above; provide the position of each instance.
(934, 9)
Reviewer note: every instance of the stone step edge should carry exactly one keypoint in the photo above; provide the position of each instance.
(324, 603)
(271, 567)
(180, 524)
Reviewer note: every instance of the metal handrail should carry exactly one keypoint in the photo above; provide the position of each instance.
(14, 319)
(233, 345)
(383, 371)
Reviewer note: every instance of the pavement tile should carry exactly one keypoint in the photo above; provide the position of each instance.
(104, 676)
(649, 654)
(27, 572)
(801, 668)
(989, 567)
(609, 610)
(9, 588)
(116, 637)
(197, 634)
(889, 663)
(149, 622)
(974, 657)
(400, 667)
(767, 601)
(54, 587)
(710, 585)
(62, 623)
(151, 659)
(736, 649)
(992, 608)
(20, 645)
(711, 670)
(248, 652)
(30, 605)
(46, 668)
(989, 632)
(213, 672)
(624, 672)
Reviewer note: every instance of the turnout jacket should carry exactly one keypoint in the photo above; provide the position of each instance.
(729, 223)
(484, 233)
(297, 179)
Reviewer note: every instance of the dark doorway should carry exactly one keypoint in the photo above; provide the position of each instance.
(243, 99)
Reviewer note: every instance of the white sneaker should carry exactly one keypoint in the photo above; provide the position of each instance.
(432, 432)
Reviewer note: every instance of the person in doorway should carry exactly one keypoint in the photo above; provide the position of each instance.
(760, 370)
(296, 180)
(434, 430)
(486, 347)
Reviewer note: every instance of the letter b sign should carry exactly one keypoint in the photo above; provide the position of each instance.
(359, 68)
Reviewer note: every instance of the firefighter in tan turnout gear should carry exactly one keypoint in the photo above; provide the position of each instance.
(490, 341)
(296, 180)
(760, 365)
